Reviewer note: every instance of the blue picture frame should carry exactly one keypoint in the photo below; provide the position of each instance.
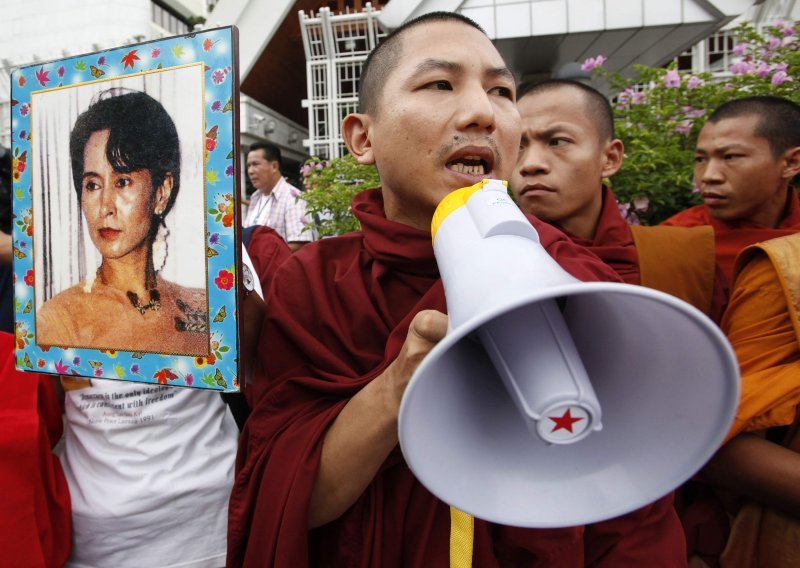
(198, 72)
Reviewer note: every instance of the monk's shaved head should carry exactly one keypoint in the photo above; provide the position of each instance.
(383, 59)
(596, 104)
(778, 119)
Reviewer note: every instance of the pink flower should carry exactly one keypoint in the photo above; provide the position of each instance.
(780, 77)
(672, 78)
(691, 112)
(218, 76)
(684, 127)
(694, 82)
(155, 53)
(773, 42)
(638, 97)
(98, 372)
(741, 68)
(740, 48)
(24, 109)
(189, 379)
(762, 69)
(782, 66)
(305, 170)
(593, 63)
(61, 368)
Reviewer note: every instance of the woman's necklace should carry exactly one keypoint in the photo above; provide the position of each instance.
(155, 297)
(153, 305)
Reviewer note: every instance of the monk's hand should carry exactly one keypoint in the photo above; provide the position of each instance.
(426, 330)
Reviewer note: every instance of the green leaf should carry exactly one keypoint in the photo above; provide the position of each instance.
(80, 65)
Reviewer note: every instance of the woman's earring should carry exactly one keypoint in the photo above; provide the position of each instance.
(160, 246)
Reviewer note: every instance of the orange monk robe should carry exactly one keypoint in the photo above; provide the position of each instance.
(763, 330)
(733, 236)
(763, 325)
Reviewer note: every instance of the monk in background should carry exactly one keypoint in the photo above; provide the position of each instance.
(320, 478)
(568, 147)
(757, 472)
(746, 156)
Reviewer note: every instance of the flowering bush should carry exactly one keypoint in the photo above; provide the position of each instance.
(330, 186)
(659, 122)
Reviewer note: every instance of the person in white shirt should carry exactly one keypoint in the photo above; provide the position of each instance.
(275, 202)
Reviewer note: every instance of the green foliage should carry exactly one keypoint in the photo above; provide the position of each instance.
(330, 187)
(660, 122)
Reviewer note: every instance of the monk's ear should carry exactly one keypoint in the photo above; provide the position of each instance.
(612, 157)
(356, 133)
(790, 163)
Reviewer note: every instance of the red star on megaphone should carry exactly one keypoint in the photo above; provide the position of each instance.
(565, 421)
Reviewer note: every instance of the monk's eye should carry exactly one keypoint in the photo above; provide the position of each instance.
(440, 85)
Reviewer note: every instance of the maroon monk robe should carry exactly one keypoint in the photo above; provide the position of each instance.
(267, 250)
(613, 243)
(338, 314)
(733, 236)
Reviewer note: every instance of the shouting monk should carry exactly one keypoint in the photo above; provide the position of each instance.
(320, 478)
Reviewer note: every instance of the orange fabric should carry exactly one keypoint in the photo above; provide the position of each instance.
(732, 237)
(761, 329)
(679, 261)
(35, 525)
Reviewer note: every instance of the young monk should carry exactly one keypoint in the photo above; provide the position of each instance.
(746, 156)
(567, 149)
(759, 467)
(320, 477)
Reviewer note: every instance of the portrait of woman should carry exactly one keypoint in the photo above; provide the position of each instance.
(125, 158)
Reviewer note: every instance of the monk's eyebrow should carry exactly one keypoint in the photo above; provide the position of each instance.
(501, 72)
(445, 65)
(438, 65)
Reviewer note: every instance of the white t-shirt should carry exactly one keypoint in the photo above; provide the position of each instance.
(150, 469)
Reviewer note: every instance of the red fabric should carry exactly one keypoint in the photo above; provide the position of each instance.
(267, 250)
(613, 241)
(35, 525)
(339, 312)
(732, 236)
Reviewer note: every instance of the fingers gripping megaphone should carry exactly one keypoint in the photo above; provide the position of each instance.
(553, 402)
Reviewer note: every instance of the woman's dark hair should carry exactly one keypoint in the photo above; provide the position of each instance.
(142, 136)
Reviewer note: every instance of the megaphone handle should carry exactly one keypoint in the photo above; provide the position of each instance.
(534, 354)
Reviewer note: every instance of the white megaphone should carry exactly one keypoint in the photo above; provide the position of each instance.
(553, 402)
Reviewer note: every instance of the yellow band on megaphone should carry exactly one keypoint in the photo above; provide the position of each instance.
(453, 201)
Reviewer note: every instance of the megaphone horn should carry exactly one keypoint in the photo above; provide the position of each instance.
(553, 402)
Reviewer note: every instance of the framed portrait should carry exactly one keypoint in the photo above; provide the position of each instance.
(125, 180)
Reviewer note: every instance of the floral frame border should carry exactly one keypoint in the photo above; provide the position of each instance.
(217, 49)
